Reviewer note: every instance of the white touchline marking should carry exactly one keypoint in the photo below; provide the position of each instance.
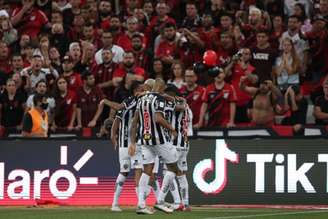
(80, 163)
(88, 180)
(267, 215)
(63, 155)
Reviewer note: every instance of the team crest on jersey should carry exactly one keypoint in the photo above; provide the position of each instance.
(212, 95)
(196, 96)
(125, 166)
(225, 94)
(83, 100)
(147, 136)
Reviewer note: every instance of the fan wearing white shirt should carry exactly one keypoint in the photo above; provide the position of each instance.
(35, 72)
(107, 40)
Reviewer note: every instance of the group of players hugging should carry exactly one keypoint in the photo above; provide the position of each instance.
(151, 128)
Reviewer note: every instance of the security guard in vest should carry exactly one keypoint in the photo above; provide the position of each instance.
(35, 121)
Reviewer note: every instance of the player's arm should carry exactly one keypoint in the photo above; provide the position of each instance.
(114, 105)
(159, 118)
(114, 130)
(181, 104)
(134, 126)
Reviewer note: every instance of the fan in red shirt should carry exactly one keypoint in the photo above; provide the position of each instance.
(278, 30)
(124, 40)
(73, 79)
(141, 54)
(193, 94)
(65, 110)
(5, 64)
(226, 49)
(157, 23)
(128, 66)
(105, 12)
(29, 20)
(192, 50)
(239, 67)
(88, 102)
(219, 100)
(90, 35)
(257, 21)
(75, 31)
(104, 73)
(167, 49)
(208, 32)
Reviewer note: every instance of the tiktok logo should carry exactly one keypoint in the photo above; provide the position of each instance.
(222, 154)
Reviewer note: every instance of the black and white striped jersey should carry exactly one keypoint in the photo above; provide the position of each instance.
(182, 123)
(169, 112)
(126, 116)
(150, 132)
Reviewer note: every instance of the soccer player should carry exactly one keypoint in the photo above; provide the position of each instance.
(120, 131)
(154, 140)
(155, 133)
(181, 120)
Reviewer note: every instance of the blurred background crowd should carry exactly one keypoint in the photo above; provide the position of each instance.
(239, 63)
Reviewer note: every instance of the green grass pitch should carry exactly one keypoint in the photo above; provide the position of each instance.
(197, 213)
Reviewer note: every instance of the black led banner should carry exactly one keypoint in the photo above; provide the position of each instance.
(259, 171)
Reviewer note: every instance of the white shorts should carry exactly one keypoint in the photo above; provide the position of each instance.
(182, 160)
(127, 163)
(166, 152)
(156, 165)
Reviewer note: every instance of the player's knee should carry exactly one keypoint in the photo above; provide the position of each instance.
(125, 174)
(148, 169)
(173, 167)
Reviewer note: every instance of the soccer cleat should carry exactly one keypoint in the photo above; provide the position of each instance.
(180, 208)
(187, 208)
(144, 211)
(116, 208)
(164, 208)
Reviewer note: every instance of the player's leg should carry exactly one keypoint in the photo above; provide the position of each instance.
(169, 155)
(182, 179)
(125, 167)
(153, 182)
(136, 164)
(148, 164)
(174, 189)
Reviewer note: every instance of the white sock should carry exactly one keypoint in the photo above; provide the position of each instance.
(184, 189)
(137, 190)
(156, 188)
(167, 180)
(174, 189)
(118, 188)
(148, 190)
(143, 184)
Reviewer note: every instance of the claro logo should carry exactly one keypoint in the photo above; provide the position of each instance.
(20, 180)
(222, 155)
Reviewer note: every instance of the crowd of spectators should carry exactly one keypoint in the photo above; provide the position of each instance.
(272, 54)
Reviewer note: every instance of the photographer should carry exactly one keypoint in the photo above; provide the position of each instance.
(297, 104)
(240, 66)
